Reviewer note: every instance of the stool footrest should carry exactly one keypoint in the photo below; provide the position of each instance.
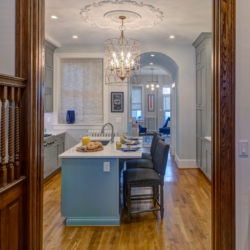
(145, 211)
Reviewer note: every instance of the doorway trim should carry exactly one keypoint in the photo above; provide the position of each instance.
(29, 64)
(223, 194)
(223, 176)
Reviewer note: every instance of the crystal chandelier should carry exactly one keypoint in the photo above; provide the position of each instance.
(153, 84)
(122, 55)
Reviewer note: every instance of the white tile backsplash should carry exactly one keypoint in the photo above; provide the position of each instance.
(48, 122)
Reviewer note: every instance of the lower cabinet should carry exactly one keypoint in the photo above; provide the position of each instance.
(53, 147)
(13, 216)
(60, 148)
(206, 158)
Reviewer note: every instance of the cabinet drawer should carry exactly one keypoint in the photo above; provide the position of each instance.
(50, 159)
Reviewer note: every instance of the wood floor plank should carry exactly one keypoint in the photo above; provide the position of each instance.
(186, 224)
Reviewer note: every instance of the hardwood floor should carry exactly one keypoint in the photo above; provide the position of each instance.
(186, 224)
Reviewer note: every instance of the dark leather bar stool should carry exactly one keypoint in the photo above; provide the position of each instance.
(146, 155)
(146, 161)
(146, 177)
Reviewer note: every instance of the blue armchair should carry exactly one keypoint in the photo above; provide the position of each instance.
(142, 130)
(164, 129)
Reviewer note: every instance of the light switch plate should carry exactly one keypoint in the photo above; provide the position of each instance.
(106, 166)
(243, 148)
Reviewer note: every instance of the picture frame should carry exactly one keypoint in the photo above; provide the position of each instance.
(151, 103)
(117, 102)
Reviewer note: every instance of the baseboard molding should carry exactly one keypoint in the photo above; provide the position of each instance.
(185, 163)
(45, 180)
(93, 221)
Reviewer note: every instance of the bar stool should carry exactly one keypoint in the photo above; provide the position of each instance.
(147, 177)
(146, 155)
(147, 159)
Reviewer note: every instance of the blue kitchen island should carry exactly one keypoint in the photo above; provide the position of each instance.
(90, 193)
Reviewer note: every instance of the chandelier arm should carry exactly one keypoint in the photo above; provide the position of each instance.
(123, 55)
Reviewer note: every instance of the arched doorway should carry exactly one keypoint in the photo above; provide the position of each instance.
(162, 70)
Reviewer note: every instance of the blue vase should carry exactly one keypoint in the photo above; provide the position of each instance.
(70, 118)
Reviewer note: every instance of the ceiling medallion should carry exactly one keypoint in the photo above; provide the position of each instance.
(105, 13)
(122, 55)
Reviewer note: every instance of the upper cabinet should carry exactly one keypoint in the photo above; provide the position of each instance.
(48, 83)
(203, 48)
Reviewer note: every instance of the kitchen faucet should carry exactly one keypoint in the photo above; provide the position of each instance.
(112, 133)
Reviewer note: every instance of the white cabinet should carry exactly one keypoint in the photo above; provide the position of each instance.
(50, 158)
(206, 157)
(53, 147)
(60, 142)
(203, 47)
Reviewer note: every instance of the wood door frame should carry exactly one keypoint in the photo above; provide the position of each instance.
(30, 65)
(223, 176)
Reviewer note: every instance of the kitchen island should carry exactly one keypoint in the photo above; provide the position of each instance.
(91, 185)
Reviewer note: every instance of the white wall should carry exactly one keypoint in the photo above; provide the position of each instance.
(185, 113)
(242, 124)
(7, 36)
(184, 56)
(119, 120)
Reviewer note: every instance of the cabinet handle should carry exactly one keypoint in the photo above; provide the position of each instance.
(50, 143)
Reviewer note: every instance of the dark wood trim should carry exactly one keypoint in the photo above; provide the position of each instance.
(12, 81)
(8, 187)
(223, 176)
(30, 66)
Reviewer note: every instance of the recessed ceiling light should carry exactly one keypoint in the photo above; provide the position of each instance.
(152, 55)
(75, 37)
(172, 37)
(54, 17)
(151, 63)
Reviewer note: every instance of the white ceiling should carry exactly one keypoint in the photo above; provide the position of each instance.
(147, 70)
(185, 19)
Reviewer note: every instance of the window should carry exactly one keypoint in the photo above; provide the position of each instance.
(137, 103)
(166, 91)
(81, 89)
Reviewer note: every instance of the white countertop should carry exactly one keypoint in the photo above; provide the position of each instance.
(109, 151)
(55, 133)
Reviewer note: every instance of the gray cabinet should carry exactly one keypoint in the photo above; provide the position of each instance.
(48, 82)
(50, 158)
(53, 147)
(60, 142)
(203, 47)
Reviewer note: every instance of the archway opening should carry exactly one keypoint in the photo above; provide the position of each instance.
(152, 98)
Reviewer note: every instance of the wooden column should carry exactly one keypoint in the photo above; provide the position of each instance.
(223, 180)
(17, 133)
(3, 169)
(10, 167)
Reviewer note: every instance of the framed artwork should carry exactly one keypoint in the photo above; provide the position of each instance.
(117, 102)
(151, 104)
